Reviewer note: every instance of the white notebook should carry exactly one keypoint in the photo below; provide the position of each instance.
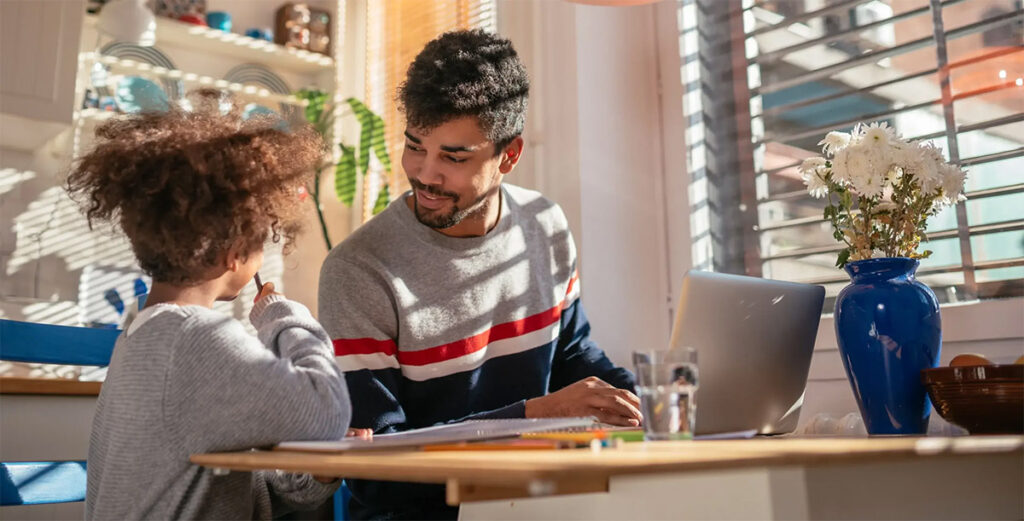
(472, 430)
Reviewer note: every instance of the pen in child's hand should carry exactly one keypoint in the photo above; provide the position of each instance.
(259, 283)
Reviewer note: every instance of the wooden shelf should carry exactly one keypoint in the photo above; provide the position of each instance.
(20, 385)
(171, 33)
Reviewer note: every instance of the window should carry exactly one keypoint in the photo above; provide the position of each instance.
(765, 81)
(396, 32)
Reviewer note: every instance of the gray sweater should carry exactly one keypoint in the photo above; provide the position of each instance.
(191, 380)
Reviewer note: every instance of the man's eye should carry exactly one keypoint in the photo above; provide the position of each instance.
(456, 160)
(414, 148)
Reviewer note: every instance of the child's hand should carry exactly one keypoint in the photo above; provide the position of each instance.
(268, 289)
(363, 434)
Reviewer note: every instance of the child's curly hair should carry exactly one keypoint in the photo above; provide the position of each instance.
(185, 186)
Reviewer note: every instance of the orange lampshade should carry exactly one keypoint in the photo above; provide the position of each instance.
(995, 74)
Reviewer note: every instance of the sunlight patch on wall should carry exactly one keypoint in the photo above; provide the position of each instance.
(10, 177)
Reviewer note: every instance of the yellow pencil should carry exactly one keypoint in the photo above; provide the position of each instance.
(578, 437)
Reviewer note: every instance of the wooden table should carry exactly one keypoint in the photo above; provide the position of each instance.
(910, 478)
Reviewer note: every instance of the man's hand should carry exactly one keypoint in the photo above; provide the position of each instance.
(363, 434)
(589, 397)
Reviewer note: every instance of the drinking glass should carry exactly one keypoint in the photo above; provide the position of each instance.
(667, 384)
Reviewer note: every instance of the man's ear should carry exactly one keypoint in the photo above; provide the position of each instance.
(511, 154)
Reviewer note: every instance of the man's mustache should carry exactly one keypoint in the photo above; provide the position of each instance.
(432, 190)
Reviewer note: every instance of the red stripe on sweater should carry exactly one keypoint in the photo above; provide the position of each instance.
(363, 346)
(441, 353)
(572, 281)
(477, 342)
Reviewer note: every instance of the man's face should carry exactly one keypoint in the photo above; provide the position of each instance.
(454, 173)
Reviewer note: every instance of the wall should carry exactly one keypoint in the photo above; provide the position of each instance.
(594, 137)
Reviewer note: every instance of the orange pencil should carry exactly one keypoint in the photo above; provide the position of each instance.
(498, 445)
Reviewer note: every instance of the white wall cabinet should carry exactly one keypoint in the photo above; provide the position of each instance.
(38, 65)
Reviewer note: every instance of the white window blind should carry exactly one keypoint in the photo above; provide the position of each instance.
(766, 80)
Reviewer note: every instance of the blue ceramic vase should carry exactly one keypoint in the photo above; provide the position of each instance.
(888, 327)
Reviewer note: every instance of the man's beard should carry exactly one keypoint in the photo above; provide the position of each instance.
(439, 221)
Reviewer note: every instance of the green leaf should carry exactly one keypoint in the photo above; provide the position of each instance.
(371, 136)
(844, 257)
(366, 132)
(315, 112)
(380, 144)
(845, 198)
(383, 199)
(345, 175)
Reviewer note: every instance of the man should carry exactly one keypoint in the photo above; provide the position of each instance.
(460, 301)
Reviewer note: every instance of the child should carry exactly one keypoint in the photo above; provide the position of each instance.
(197, 193)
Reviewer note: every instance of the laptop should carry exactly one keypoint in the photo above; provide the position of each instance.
(754, 339)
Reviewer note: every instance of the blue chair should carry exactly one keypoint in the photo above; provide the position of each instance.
(341, 498)
(40, 482)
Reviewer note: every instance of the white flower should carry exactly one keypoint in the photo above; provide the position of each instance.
(816, 186)
(894, 175)
(813, 171)
(812, 163)
(952, 183)
(878, 254)
(865, 169)
(880, 134)
(834, 142)
(840, 170)
(927, 168)
(868, 184)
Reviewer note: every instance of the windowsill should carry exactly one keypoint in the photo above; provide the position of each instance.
(995, 319)
(48, 386)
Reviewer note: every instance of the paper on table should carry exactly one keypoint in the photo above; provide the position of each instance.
(473, 430)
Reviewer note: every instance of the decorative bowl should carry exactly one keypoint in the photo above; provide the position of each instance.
(984, 399)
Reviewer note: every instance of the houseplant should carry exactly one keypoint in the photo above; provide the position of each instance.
(880, 191)
(319, 112)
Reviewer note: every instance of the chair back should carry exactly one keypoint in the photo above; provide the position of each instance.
(39, 482)
(53, 344)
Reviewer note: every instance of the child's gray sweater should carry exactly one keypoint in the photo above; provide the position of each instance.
(191, 380)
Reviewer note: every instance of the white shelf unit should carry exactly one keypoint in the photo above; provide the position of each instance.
(243, 91)
(172, 33)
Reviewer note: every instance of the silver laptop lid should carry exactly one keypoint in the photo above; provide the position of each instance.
(754, 339)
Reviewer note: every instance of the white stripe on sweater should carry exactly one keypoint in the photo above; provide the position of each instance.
(468, 362)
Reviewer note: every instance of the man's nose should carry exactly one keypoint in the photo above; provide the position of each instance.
(430, 172)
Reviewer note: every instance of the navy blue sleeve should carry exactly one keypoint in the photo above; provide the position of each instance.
(378, 406)
(577, 356)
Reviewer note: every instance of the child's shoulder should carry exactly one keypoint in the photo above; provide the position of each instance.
(183, 322)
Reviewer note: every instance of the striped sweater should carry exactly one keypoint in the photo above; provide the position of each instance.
(433, 329)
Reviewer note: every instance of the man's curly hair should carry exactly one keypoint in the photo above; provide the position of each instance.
(467, 73)
(185, 186)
